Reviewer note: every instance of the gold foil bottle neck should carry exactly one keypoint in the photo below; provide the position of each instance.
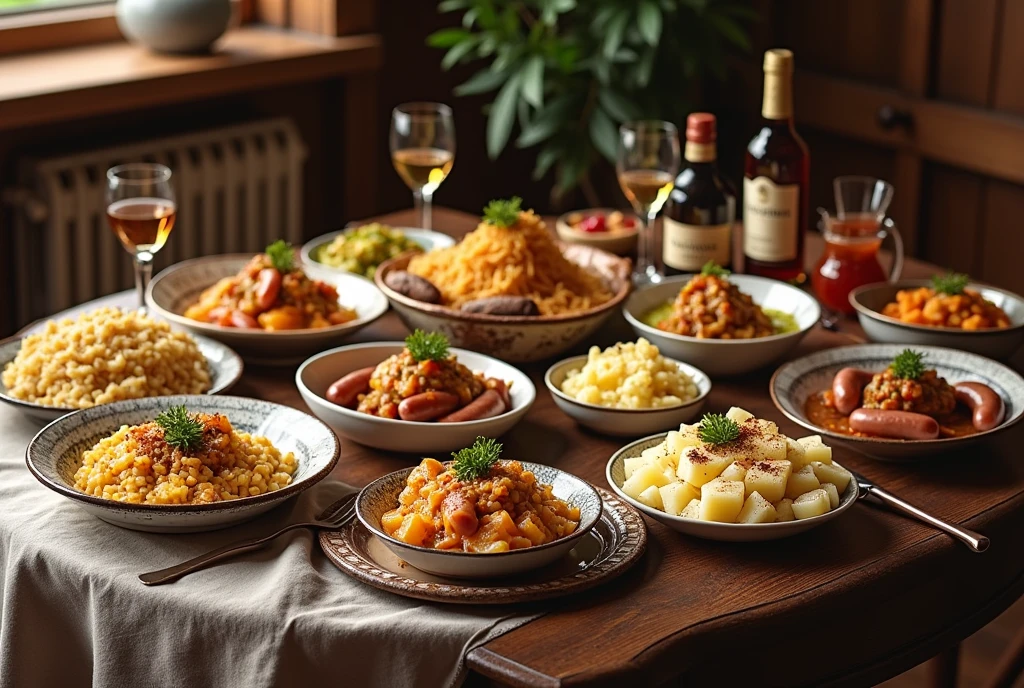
(778, 60)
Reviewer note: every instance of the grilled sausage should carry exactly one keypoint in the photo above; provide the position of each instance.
(460, 513)
(268, 285)
(487, 405)
(244, 320)
(987, 408)
(413, 286)
(427, 406)
(345, 391)
(848, 389)
(901, 425)
(502, 305)
(501, 387)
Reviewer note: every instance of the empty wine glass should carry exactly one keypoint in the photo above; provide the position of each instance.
(141, 210)
(423, 150)
(647, 164)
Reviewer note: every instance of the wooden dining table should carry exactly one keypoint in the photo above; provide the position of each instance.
(856, 601)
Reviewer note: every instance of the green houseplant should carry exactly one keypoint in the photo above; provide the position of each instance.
(569, 72)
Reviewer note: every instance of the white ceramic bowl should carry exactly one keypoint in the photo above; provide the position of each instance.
(427, 239)
(726, 356)
(726, 532)
(515, 338)
(315, 375)
(870, 299)
(619, 243)
(381, 496)
(797, 380)
(55, 454)
(179, 286)
(625, 422)
(224, 364)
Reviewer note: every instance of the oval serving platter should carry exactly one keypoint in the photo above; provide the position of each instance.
(614, 544)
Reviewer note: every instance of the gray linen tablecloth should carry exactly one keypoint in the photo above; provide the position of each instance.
(73, 613)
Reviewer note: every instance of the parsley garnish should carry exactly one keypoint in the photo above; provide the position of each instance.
(476, 462)
(281, 255)
(908, 364)
(715, 428)
(951, 283)
(181, 429)
(425, 346)
(711, 268)
(503, 213)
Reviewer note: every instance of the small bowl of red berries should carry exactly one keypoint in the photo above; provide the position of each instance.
(604, 228)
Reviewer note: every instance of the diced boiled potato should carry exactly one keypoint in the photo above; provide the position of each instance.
(676, 441)
(698, 465)
(644, 477)
(815, 449)
(833, 494)
(734, 471)
(784, 511)
(796, 454)
(670, 473)
(810, 504)
(769, 478)
(660, 455)
(801, 481)
(692, 510)
(721, 500)
(675, 497)
(767, 427)
(738, 415)
(414, 529)
(651, 497)
(832, 473)
(764, 443)
(756, 509)
(631, 464)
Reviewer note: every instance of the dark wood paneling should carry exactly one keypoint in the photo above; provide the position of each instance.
(833, 156)
(951, 228)
(1001, 242)
(966, 32)
(1008, 93)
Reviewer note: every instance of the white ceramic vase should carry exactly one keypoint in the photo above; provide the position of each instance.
(174, 26)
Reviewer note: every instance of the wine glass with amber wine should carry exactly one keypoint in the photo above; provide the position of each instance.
(423, 150)
(647, 164)
(141, 211)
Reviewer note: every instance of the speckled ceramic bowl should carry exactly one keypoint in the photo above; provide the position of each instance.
(516, 339)
(225, 370)
(179, 286)
(55, 453)
(426, 238)
(381, 496)
(797, 380)
(726, 532)
(620, 243)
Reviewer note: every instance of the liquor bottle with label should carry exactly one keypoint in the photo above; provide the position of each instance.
(697, 225)
(776, 181)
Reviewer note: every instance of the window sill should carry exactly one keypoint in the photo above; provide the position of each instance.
(60, 85)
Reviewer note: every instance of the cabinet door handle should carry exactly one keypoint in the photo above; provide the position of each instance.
(892, 118)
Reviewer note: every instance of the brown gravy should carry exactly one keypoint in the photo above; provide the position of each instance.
(822, 414)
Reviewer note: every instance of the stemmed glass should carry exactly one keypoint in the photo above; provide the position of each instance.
(141, 211)
(423, 150)
(647, 164)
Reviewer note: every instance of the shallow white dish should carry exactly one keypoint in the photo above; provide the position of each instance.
(225, 370)
(726, 356)
(55, 453)
(870, 299)
(381, 496)
(179, 286)
(318, 373)
(797, 380)
(619, 243)
(426, 238)
(625, 422)
(726, 532)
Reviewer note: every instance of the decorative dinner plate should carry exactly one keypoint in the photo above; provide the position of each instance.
(614, 544)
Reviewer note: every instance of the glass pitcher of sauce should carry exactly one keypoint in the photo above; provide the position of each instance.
(853, 238)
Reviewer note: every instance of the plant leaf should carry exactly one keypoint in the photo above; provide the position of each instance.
(604, 134)
(481, 82)
(548, 121)
(649, 21)
(620, 108)
(547, 157)
(503, 113)
(644, 68)
(446, 38)
(533, 81)
(452, 5)
(730, 30)
(616, 30)
(571, 167)
(469, 17)
(457, 52)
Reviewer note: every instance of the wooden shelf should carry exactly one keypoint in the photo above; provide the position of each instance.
(92, 80)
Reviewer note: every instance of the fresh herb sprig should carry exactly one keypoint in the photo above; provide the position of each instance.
(715, 428)
(502, 213)
(713, 269)
(282, 255)
(425, 346)
(908, 364)
(181, 428)
(476, 461)
(951, 283)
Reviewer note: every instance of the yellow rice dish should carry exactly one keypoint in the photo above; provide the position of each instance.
(138, 465)
(103, 356)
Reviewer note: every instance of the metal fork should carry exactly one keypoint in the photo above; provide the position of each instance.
(333, 517)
